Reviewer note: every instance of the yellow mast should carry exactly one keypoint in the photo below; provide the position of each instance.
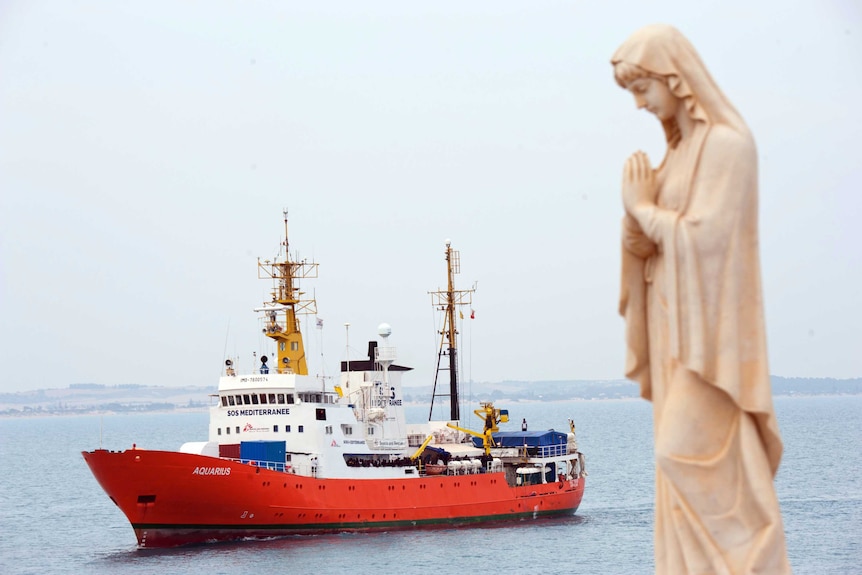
(288, 301)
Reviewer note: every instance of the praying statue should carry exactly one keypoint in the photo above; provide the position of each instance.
(692, 303)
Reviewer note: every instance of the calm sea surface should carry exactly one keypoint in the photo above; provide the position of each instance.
(54, 517)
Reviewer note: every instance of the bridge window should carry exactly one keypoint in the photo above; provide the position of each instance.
(281, 398)
(239, 400)
(272, 398)
(230, 400)
(246, 399)
(224, 401)
(254, 398)
(290, 398)
(263, 398)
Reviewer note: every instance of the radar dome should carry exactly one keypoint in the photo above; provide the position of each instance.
(384, 330)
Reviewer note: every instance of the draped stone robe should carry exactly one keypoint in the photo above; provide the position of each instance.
(691, 297)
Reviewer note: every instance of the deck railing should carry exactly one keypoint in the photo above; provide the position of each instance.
(551, 450)
(271, 465)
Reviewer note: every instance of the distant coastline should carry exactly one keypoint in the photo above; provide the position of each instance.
(90, 398)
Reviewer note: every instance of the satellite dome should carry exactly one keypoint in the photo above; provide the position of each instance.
(384, 330)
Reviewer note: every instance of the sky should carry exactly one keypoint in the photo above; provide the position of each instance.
(147, 150)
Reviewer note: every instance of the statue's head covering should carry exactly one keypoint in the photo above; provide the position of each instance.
(661, 50)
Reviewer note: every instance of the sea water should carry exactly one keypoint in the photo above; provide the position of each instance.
(54, 517)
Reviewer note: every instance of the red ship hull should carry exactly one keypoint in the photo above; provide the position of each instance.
(174, 499)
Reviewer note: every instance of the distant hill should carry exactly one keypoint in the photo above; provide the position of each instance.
(83, 398)
(618, 389)
(532, 390)
(815, 386)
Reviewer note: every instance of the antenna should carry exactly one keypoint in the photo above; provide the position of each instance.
(347, 344)
(286, 249)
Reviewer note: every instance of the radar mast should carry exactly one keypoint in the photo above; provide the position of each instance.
(281, 321)
(446, 301)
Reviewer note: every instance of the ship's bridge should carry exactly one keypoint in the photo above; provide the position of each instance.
(272, 389)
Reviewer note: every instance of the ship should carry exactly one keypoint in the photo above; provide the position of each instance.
(288, 453)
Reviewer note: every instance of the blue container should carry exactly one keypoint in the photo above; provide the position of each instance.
(270, 451)
(526, 438)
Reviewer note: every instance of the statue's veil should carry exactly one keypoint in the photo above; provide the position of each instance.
(662, 50)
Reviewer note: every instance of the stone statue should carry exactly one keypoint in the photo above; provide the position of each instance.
(695, 335)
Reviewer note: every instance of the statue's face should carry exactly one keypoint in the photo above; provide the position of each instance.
(654, 95)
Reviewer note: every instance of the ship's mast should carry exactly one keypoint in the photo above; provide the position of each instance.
(286, 304)
(446, 301)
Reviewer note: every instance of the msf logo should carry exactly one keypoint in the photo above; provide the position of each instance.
(248, 427)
